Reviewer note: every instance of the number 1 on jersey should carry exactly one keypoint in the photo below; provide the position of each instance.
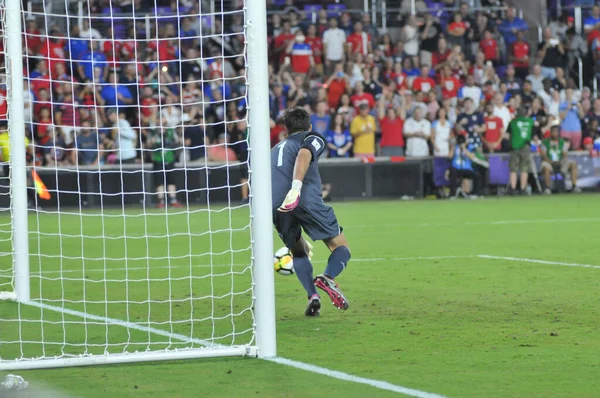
(280, 156)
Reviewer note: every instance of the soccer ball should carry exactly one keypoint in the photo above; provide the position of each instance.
(284, 261)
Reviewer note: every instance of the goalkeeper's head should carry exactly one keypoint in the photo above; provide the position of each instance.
(296, 120)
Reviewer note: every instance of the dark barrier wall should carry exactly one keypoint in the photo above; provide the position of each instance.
(218, 183)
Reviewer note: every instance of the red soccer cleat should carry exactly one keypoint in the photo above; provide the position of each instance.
(334, 292)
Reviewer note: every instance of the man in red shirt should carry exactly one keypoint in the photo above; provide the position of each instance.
(489, 47)
(423, 83)
(301, 55)
(360, 97)
(33, 37)
(439, 58)
(282, 41)
(520, 56)
(492, 138)
(391, 124)
(359, 41)
(54, 51)
(316, 44)
(449, 83)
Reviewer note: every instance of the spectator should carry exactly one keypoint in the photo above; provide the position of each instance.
(552, 53)
(55, 149)
(115, 94)
(489, 47)
(87, 32)
(430, 35)
(536, 78)
(346, 109)
(321, 120)
(346, 24)
(417, 132)
(339, 139)
(470, 121)
(67, 116)
(278, 101)
(559, 82)
(86, 145)
(502, 111)
(441, 131)
(337, 85)
(570, 111)
(75, 44)
(593, 20)
(423, 83)
(316, 44)
(391, 122)
(593, 116)
(513, 83)
(457, 31)
(576, 48)
(219, 151)
(360, 97)
(470, 90)
(410, 38)
(124, 136)
(369, 27)
(510, 26)
(449, 84)
(370, 84)
(440, 56)
(555, 159)
(300, 53)
(494, 130)
(363, 132)
(359, 42)
(282, 41)
(520, 130)
(194, 133)
(519, 55)
(538, 114)
(527, 94)
(89, 61)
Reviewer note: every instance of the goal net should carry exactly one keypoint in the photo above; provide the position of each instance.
(139, 228)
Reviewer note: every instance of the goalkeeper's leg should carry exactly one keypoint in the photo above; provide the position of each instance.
(337, 262)
(304, 271)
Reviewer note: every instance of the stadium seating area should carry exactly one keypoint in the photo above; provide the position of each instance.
(398, 92)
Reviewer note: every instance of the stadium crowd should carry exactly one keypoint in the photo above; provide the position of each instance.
(105, 94)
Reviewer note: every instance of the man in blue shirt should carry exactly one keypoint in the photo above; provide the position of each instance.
(590, 22)
(116, 94)
(510, 26)
(76, 46)
(91, 59)
(321, 119)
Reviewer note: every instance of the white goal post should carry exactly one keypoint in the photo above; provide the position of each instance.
(116, 267)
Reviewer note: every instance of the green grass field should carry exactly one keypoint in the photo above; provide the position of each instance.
(426, 311)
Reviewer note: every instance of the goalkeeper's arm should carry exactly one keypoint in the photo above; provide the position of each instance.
(312, 148)
(300, 168)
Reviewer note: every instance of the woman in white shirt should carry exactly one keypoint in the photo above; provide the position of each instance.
(441, 129)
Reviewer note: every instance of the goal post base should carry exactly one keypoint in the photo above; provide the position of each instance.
(134, 357)
(8, 296)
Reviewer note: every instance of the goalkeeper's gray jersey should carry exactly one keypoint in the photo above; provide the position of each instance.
(283, 159)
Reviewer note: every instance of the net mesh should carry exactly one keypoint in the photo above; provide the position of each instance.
(140, 241)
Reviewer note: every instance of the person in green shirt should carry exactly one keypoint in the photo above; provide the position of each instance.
(554, 160)
(163, 141)
(520, 130)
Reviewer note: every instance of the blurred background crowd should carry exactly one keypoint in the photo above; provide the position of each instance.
(106, 83)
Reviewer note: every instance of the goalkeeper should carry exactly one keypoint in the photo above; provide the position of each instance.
(294, 164)
(163, 142)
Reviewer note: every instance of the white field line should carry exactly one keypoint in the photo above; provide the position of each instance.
(383, 385)
(532, 260)
(500, 222)
(359, 260)
(56, 236)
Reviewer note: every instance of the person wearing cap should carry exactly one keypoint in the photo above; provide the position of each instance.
(555, 151)
(520, 129)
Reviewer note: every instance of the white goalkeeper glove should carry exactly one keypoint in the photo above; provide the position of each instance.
(292, 198)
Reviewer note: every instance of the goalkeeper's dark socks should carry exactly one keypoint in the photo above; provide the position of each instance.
(338, 260)
(304, 272)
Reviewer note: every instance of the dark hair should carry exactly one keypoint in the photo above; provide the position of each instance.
(296, 119)
(461, 139)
